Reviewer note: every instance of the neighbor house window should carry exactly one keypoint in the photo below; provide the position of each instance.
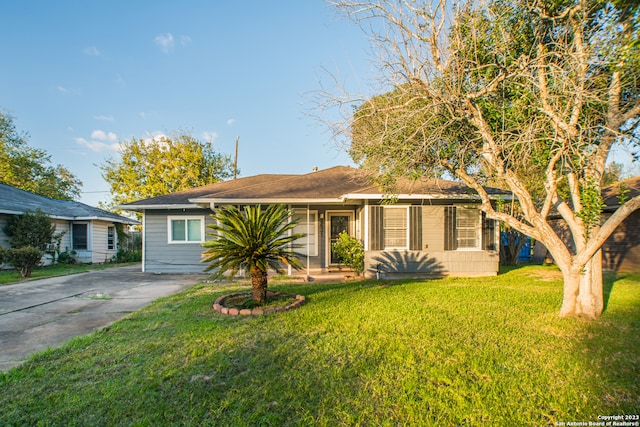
(111, 238)
(80, 236)
(309, 229)
(184, 229)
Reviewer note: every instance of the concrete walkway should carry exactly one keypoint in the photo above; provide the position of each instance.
(46, 313)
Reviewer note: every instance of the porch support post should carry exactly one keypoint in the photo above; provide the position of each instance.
(365, 226)
(289, 270)
(308, 247)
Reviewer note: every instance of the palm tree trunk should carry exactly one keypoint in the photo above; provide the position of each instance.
(258, 284)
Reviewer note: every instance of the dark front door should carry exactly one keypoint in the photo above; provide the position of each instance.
(337, 224)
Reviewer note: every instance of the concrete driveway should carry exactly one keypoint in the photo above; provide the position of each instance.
(46, 313)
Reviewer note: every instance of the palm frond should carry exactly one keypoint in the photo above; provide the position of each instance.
(251, 237)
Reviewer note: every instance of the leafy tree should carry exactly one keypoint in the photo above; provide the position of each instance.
(252, 239)
(508, 92)
(32, 229)
(29, 168)
(149, 168)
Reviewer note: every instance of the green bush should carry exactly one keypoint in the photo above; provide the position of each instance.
(127, 255)
(3, 255)
(350, 251)
(66, 258)
(24, 259)
(32, 229)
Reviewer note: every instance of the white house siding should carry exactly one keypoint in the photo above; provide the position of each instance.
(162, 257)
(432, 260)
(99, 251)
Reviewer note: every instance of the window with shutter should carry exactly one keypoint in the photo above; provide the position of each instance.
(467, 228)
(395, 228)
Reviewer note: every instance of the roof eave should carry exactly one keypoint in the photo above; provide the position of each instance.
(168, 206)
(451, 196)
(254, 201)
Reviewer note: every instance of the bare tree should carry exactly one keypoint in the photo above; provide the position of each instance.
(528, 94)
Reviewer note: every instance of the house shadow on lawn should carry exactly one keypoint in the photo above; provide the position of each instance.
(400, 265)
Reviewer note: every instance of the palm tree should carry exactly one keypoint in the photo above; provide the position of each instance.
(253, 239)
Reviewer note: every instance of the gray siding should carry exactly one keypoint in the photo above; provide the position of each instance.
(432, 260)
(162, 257)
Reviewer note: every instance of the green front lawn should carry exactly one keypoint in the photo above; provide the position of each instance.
(487, 351)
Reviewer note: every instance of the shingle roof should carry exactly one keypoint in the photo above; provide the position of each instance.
(611, 194)
(333, 184)
(15, 201)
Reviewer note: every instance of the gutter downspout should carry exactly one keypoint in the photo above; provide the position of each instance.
(144, 240)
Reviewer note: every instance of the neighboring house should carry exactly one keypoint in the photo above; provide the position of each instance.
(89, 233)
(621, 251)
(434, 228)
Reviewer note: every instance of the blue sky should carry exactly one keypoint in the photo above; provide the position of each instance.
(80, 76)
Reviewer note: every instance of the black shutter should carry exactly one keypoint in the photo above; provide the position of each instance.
(415, 228)
(450, 228)
(376, 228)
(488, 233)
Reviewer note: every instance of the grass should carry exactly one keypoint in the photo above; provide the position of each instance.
(8, 277)
(486, 351)
(245, 300)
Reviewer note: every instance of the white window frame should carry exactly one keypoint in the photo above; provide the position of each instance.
(172, 218)
(111, 231)
(73, 237)
(478, 228)
(407, 228)
(313, 227)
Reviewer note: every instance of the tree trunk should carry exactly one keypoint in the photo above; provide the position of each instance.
(258, 284)
(510, 251)
(583, 291)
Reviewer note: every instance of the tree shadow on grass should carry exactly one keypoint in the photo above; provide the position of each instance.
(608, 279)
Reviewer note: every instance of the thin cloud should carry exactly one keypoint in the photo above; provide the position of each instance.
(104, 118)
(92, 51)
(104, 136)
(165, 42)
(100, 141)
(98, 146)
(62, 89)
(210, 136)
(231, 121)
(185, 40)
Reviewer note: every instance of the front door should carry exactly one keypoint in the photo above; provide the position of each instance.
(338, 222)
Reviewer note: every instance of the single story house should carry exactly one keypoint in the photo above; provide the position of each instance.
(433, 227)
(89, 233)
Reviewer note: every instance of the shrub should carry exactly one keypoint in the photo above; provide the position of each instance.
(32, 229)
(24, 259)
(350, 251)
(3, 255)
(127, 255)
(66, 258)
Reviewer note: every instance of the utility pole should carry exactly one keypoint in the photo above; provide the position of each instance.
(235, 162)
